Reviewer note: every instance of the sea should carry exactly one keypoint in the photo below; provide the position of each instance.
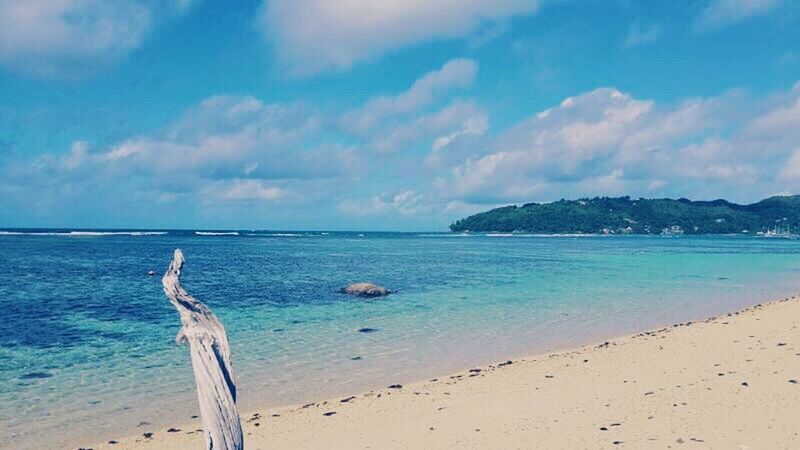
(87, 337)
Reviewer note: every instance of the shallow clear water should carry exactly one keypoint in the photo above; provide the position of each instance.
(87, 338)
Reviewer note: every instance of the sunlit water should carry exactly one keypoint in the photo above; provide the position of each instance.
(87, 338)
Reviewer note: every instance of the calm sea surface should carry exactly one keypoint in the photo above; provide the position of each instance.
(87, 338)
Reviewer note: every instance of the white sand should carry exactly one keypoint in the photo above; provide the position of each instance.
(681, 386)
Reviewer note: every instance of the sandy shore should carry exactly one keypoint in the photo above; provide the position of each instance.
(726, 382)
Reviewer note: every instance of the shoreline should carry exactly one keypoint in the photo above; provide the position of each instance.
(559, 399)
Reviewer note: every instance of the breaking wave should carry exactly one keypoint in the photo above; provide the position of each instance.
(216, 233)
(83, 233)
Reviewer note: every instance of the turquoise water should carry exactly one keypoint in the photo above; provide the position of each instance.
(87, 338)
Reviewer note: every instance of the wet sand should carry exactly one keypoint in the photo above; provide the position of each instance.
(727, 382)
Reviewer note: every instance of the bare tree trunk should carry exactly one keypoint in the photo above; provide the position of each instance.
(211, 361)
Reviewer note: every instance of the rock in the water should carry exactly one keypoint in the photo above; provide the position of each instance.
(35, 375)
(365, 290)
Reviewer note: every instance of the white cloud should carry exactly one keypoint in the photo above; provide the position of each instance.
(225, 149)
(474, 125)
(50, 38)
(76, 156)
(488, 33)
(640, 34)
(454, 74)
(608, 142)
(453, 145)
(315, 35)
(720, 13)
(405, 202)
(711, 160)
(689, 119)
(453, 118)
(574, 134)
(656, 185)
(230, 137)
(780, 121)
(791, 170)
(250, 190)
(388, 123)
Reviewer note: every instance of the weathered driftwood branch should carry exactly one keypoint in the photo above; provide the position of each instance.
(211, 361)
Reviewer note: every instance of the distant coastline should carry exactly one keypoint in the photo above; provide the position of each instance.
(773, 216)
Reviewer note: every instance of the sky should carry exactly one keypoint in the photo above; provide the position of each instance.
(386, 115)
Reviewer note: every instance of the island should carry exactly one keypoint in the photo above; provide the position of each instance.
(773, 216)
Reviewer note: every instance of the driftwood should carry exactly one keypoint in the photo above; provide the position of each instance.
(211, 361)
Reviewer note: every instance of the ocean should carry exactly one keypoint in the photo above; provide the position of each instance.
(87, 337)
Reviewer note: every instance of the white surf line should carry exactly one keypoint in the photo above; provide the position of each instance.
(216, 233)
(211, 362)
(83, 233)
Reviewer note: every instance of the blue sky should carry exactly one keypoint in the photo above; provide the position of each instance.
(323, 114)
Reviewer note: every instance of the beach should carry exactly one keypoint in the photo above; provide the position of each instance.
(731, 381)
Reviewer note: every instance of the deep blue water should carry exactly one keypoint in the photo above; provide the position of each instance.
(87, 337)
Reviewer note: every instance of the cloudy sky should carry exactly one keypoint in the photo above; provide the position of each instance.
(379, 115)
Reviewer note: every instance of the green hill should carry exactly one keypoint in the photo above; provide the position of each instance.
(639, 216)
